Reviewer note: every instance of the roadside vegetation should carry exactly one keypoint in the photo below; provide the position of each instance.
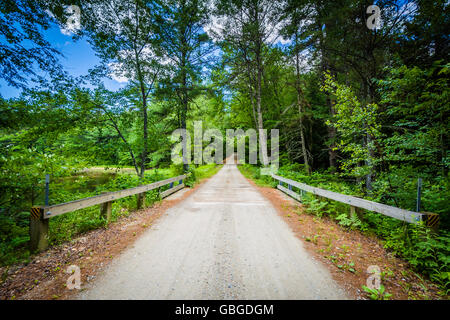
(426, 251)
(14, 231)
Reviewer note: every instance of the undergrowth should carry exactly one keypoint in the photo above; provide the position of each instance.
(426, 251)
(14, 230)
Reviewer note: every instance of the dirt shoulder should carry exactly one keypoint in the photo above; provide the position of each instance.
(348, 253)
(45, 276)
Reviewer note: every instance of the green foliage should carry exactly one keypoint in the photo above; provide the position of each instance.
(370, 127)
(22, 23)
(377, 294)
(316, 207)
(197, 174)
(192, 178)
(13, 237)
(14, 227)
(349, 222)
(358, 126)
(417, 104)
(254, 173)
(426, 251)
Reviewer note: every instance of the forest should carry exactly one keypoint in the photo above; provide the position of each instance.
(360, 97)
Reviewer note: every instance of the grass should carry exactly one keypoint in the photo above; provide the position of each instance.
(253, 173)
(206, 171)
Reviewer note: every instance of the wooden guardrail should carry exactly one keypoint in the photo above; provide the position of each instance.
(431, 219)
(40, 215)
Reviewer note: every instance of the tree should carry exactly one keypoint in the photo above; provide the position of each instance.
(425, 36)
(416, 108)
(354, 121)
(248, 28)
(311, 25)
(187, 51)
(302, 103)
(22, 44)
(123, 34)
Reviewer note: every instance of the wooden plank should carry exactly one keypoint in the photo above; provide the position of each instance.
(106, 210)
(171, 190)
(352, 212)
(57, 209)
(140, 200)
(397, 213)
(294, 195)
(38, 230)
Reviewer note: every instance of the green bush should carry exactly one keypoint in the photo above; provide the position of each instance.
(427, 252)
(254, 173)
(196, 174)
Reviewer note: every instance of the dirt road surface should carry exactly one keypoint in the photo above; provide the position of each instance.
(225, 241)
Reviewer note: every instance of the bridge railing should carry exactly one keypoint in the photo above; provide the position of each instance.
(40, 215)
(430, 219)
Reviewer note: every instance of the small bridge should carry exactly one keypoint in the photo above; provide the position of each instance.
(224, 241)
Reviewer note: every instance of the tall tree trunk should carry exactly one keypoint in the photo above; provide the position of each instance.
(302, 137)
(369, 93)
(145, 136)
(259, 67)
(250, 88)
(253, 106)
(141, 196)
(301, 113)
(183, 126)
(145, 121)
(331, 136)
(325, 64)
(262, 135)
(184, 105)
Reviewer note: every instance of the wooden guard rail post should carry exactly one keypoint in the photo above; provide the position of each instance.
(38, 229)
(106, 210)
(140, 200)
(40, 215)
(430, 219)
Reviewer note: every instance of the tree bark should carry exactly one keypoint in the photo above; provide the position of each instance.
(259, 67)
(184, 103)
(332, 137)
(144, 116)
(119, 132)
(301, 113)
(325, 64)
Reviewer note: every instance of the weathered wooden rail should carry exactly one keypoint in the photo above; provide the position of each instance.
(39, 217)
(430, 219)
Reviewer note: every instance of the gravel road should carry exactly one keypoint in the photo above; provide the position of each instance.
(225, 241)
